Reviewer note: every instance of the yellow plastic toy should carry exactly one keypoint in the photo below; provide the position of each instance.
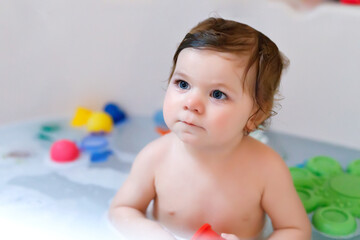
(82, 115)
(95, 121)
(99, 122)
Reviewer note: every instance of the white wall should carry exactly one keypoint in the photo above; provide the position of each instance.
(57, 55)
(321, 87)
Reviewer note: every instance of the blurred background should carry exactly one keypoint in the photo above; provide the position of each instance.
(60, 54)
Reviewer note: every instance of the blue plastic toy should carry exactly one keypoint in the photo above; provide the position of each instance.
(115, 112)
(100, 156)
(94, 143)
(159, 120)
(161, 126)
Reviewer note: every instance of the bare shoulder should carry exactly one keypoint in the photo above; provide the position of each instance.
(155, 151)
(267, 160)
(279, 198)
(138, 189)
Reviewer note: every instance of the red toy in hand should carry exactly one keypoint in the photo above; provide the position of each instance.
(206, 233)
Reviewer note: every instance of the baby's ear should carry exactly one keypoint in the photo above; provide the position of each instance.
(257, 118)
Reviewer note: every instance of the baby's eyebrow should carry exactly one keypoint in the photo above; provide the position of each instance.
(223, 86)
(180, 74)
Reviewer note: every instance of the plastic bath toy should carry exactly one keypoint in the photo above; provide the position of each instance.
(94, 143)
(354, 167)
(64, 151)
(100, 156)
(161, 126)
(96, 122)
(50, 127)
(99, 122)
(18, 154)
(159, 120)
(332, 194)
(82, 115)
(44, 137)
(206, 233)
(162, 131)
(354, 2)
(115, 112)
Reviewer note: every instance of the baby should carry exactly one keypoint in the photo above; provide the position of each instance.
(207, 169)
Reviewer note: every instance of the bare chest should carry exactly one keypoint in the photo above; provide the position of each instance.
(188, 197)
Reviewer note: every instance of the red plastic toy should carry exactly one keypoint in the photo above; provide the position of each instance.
(64, 151)
(206, 233)
(356, 2)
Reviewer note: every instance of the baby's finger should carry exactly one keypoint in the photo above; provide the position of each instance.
(228, 236)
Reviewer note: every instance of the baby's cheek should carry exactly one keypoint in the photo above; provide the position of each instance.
(220, 122)
(169, 109)
(167, 115)
(223, 120)
(226, 123)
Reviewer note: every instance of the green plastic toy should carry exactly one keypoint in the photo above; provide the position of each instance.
(332, 194)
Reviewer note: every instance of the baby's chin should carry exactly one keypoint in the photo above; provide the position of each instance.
(198, 142)
(190, 138)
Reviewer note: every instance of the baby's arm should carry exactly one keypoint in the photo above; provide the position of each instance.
(127, 210)
(281, 202)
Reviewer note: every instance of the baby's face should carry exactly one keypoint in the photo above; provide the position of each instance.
(205, 103)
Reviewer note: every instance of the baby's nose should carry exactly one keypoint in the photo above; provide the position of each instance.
(194, 103)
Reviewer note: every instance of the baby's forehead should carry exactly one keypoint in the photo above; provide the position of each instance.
(223, 67)
(212, 60)
(241, 59)
(234, 59)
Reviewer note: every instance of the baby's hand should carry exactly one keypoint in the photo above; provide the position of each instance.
(228, 236)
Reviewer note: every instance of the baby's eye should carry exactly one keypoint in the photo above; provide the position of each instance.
(217, 94)
(182, 84)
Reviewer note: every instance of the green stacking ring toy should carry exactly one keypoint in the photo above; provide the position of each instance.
(354, 167)
(332, 194)
(324, 166)
(334, 221)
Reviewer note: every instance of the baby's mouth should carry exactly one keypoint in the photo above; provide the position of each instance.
(191, 124)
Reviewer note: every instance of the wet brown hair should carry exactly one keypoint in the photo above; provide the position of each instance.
(233, 37)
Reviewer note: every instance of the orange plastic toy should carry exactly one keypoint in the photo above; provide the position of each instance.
(162, 131)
